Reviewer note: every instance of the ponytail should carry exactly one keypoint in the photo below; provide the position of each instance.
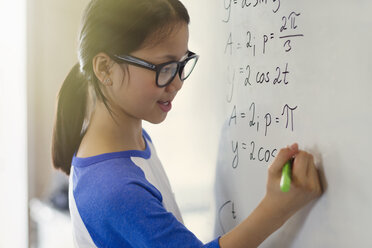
(71, 108)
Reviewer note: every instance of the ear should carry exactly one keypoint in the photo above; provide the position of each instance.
(101, 67)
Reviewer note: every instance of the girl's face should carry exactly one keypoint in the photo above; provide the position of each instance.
(136, 95)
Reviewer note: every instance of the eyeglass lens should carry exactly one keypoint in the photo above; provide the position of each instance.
(187, 69)
(168, 72)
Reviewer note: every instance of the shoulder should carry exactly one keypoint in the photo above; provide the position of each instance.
(111, 191)
(114, 198)
(106, 180)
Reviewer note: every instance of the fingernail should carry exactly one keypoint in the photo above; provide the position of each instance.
(293, 147)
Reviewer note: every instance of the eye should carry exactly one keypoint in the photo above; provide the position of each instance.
(166, 69)
(169, 69)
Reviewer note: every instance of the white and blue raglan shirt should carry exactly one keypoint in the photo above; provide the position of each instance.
(124, 200)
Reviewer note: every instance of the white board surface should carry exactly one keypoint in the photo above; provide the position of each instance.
(297, 71)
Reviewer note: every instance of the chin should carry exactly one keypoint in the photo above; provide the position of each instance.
(156, 120)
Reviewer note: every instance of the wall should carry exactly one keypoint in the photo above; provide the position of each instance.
(52, 51)
(52, 28)
(13, 130)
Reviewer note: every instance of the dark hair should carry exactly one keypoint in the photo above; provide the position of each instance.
(112, 27)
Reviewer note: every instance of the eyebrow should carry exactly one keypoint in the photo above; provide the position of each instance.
(172, 57)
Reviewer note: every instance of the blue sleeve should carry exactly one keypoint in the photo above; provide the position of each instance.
(149, 225)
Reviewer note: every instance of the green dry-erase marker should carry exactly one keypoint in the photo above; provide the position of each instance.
(285, 182)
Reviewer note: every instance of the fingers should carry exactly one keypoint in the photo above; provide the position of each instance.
(300, 167)
(315, 179)
(305, 173)
(283, 156)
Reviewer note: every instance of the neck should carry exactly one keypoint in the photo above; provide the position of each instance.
(110, 135)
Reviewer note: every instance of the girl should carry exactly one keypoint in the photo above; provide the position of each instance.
(133, 59)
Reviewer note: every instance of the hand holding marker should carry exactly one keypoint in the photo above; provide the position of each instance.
(285, 182)
(286, 175)
(294, 170)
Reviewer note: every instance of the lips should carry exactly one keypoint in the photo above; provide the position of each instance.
(166, 106)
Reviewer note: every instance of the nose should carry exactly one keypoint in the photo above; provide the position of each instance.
(175, 85)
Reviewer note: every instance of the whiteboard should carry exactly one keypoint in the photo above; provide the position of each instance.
(297, 71)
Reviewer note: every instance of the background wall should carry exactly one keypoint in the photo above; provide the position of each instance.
(13, 129)
(52, 45)
(51, 50)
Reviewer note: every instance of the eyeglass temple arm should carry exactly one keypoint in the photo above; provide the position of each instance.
(135, 61)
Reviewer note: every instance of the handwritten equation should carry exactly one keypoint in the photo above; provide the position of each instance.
(286, 116)
(258, 153)
(249, 4)
(285, 34)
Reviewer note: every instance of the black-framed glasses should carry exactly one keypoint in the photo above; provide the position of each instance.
(165, 72)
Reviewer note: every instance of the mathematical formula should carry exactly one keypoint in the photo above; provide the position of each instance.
(249, 4)
(286, 116)
(284, 36)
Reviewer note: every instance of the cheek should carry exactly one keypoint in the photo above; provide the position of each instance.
(138, 91)
(142, 83)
